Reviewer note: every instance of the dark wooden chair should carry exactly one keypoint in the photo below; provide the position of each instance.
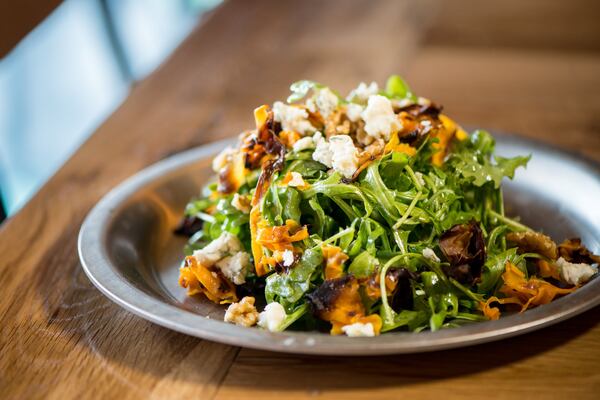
(2, 210)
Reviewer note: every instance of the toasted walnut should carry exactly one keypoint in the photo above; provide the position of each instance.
(334, 124)
(344, 128)
(375, 148)
(529, 241)
(362, 137)
(243, 313)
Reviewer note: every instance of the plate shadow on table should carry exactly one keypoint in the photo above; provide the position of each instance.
(158, 351)
(297, 372)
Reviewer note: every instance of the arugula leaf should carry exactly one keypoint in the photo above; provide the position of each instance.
(397, 88)
(271, 207)
(403, 318)
(289, 287)
(473, 161)
(333, 188)
(482, 173)
(293, 317)
(363, 265)
(290, 200)
(307, 168)
(494, 267)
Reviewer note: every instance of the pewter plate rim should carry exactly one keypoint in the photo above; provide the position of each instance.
(103, 274)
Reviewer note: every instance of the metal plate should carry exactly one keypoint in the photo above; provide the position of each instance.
(128, 251)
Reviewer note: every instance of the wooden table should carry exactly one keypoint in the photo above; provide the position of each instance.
(531, 67)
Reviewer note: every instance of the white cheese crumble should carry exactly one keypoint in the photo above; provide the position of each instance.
(344, 155)
(379, 117)
(420, 179)
(304, 143)
(353, 112)
(296, 180)
(575, 274)
(430, 255)
(339, 153)
(318, 138)
(326, 102)
(272, 317)
(235, 267)
(292, 118)
(323, 153)
(358, 329)
(225, 252)
(311, 105)
(288, 258)
(222, 159)
(363, 92)
(218, 248)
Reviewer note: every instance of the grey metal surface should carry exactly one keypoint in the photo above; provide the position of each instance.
(128, 251)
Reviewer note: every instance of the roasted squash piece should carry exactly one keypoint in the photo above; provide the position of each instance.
(338, 302)
(334, 259)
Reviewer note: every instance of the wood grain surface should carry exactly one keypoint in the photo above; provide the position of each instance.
(528, 67)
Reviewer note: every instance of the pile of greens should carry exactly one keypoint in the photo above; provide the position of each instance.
(438, 231)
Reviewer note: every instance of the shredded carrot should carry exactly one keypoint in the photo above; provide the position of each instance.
(334, 261)
(274, 259)
(262, 115)
(530, 292)
(257, 249)
(197, 278)
(280, 237)
(526, 293)
(493, 313)
(274, 238)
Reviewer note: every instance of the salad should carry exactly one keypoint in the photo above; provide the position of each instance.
(364, 215)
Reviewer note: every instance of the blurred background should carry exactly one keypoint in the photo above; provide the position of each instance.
(63, 77)
(527, 67)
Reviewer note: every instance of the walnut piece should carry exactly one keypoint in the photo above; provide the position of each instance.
(243, 313)
(533, 242)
